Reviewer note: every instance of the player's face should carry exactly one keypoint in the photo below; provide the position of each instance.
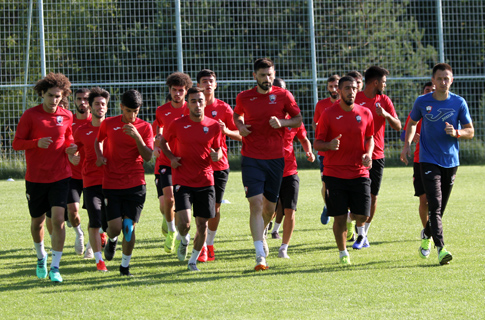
(178, 93)
(129, 115)
(332, 88)
(348, 92)
(428, 89)
(81, 102)
(381, 85)
(99, 107)
(264, 78)
(51, 99)
(360, 84)
(209, 84)
(442, 79)
(196, 104)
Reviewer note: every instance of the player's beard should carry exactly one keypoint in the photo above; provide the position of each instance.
(380, 92)
(81, 111)
(265, 85)
(348, 101)
(334, 95)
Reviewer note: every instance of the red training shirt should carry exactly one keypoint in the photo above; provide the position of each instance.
(418, 131)
(165, 115)
(84, 137)
(322, 105)
(290, 159)
(76, 123)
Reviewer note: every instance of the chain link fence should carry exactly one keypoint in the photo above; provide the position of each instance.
(124, 44)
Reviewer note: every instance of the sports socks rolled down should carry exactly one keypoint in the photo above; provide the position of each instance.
(258, 245)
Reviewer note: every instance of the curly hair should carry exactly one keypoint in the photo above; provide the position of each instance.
(179, 79)
(53, 80)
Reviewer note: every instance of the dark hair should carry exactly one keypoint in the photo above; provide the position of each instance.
(333, 78)
(132, 99)
(64, 102)
(345, 79)
(355, 74)
(263, 63)
(375, 73)
(97, 92)
(427, 84)
(442, 67)
(205, 73)
(194, 90)
(168, 98)
(280, 83)
(53, 80)
(179, 79)
(82, 90)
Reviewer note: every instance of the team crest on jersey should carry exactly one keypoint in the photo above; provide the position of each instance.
(272, 98)
(59, 120)
(428, 109)
(205, 129)
(177, 188)
(358, 118)
(214, 113)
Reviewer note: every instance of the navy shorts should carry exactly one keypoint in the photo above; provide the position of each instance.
(418, 180)
(262, 177)
(203, 200)
(94, 202)
(344, 194)
(289, 191)
(41, 197)
(124, 202)
(75, 190)
(375, 175)
(220, 181)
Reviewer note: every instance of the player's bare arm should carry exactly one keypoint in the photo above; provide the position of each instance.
(44, 143)
(100, 159)
(71, 149)
(293, 122)
(174, 161)
(394, 122)
(367, 157)
(233, 134)
(241, 126)
(145, 152)
(74, 158)
(406, 149)
(332, 145)
(216, 155)
(307, 147)
(466, 132)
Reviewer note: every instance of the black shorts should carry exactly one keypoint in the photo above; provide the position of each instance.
(418, 180)
(375, 175)
(262, 177)
(75, 190)
(164, 180)
(158, 186)
(124, 202)
(220, 181)
(94, 202)
(289, 191)
(320, 161)
(41, 197)
(344, 194)
(203, 200)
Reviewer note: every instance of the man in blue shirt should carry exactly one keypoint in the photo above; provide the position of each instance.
(445, 120)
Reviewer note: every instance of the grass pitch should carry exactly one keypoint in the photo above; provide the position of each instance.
(386, 281)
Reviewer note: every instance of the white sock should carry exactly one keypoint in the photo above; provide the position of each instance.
(361, 231)
(98, 256)
(349, 219)
(258, 245)
(178, 237)
(194, 256)
(210, 237)
(276, 227)
(39, 248)
(125, 260)
(101, 231)
(367, 226)
(171, 226)
(186, 239)
(343, 253)
(78, 230)
(284, 246)
(56, 259)
(113, 240)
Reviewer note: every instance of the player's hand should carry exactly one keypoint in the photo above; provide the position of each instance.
(450, 130)
(75, 158)
(335, 143)
(367, 161)
(244, 130)
(71, 149)
(175, 163)
(405, 153)
(310, 156)
(158, 139)
(156, 152)
(44, 143)
(101, 161)
(214, 155)
(274, 122)
(131, 130)
(380, 111)
(416, 138)
(223, 126)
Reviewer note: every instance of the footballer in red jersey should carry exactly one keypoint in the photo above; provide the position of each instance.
(374, 99)
(344, 133)
(178, 84)
(198, 141)
(222, 112)
(260, 117)
(45, 133)
(127, 143)
(85, 137)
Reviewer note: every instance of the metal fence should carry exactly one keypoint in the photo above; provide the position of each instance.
(136, 44)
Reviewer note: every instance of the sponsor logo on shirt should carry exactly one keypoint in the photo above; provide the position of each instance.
(214, 113)
(443, 114)
(272, 99)
(117, 128)
(88, 133)
(253, 98)
(187, 126)
(339, 117)
(59, 120)
(358, 118)
(206, 130)
(168, 113)
(362, 103)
